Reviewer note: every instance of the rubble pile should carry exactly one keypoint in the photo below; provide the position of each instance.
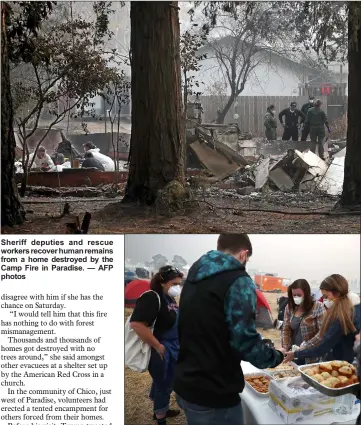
(305, 200)
(294, 171)
(247, 166)
(80, 192)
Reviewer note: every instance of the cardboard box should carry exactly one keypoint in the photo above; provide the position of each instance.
(294, 400)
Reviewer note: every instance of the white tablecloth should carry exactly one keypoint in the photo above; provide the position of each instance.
(256, 410)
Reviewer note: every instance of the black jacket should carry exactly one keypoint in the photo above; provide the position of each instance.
(283, 301)
(305, 108)
(216, 329)
(208, 371)
(92, 163)
(291, 117)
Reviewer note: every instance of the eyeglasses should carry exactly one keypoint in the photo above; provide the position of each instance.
(168, 270)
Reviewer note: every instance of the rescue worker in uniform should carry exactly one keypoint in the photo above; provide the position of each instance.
(304, 110)
(270, 122)
(317, 120)
(291, 114)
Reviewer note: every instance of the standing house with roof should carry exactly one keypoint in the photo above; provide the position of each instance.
(294, 74)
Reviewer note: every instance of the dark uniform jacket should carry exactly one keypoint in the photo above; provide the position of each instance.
(305, 108)
(92, 163)
(291, 117)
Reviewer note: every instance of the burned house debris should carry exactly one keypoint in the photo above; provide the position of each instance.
(234, 157)
(221, 156)
(66, 153)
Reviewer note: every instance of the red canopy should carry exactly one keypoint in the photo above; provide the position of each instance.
(261, 300)
(134, 290)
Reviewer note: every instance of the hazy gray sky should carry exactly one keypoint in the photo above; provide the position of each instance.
(312, 257)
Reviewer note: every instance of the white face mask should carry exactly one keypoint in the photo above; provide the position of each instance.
(298, 300)
(174, 291)
(328, 303)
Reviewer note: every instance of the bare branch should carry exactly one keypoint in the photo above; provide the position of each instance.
(58, 119)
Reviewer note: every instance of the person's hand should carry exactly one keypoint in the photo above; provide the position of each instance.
(283, 351)
(161, 351)
(289, 357)
(357, 337)
(302, 346)
(44, 167)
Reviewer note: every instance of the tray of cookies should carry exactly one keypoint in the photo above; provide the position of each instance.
(333, 378)
(258, 383)
(283, 367)
(281, 374)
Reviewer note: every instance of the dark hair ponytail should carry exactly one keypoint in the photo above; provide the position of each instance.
(156, 283)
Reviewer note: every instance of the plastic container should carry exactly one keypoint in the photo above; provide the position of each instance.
(258, 394)
(286, 374)
(295, 401)
(344, 404)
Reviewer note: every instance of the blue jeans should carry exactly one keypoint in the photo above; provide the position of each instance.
(199, 415)
(162, 374)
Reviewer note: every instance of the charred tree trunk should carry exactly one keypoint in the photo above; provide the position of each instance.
(12, 212)
(157, 149)
(222, 114)
(351, 193)
(24, 180)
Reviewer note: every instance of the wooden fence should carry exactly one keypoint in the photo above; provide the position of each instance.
(252, 109)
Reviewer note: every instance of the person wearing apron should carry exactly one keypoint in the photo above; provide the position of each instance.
(297, 339)
(303, 318)
(162, 370)
(164, 339)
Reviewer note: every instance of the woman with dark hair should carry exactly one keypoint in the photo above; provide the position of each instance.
(303, 317)
(165, 286)
(270, 122)
(336, 338)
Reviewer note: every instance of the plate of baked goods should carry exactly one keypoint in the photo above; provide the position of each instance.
(258, 383)
(281, 374)
(283, 367)
(333, 378)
